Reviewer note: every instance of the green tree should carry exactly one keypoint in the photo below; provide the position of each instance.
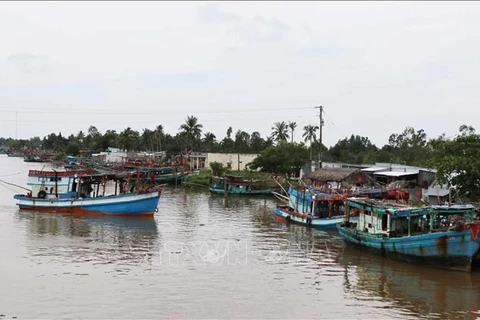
(410, 146)
(256, 142)
(129, 139)
(309, 134)
(353, 150)
(280, 131)
(292, 125)
(109, 139)
(458, 162)
(192, 130)
(209, 142)
(218, 170)
(242, 140)
(286, 158)
(159, 136)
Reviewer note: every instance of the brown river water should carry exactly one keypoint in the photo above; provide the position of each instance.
(201, 257)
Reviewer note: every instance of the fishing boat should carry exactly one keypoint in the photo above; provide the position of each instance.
(309, 207)
(83, 192)
(231, 184)
(165, 175)
(440, 236)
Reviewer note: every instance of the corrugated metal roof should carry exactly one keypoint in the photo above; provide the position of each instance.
(396, 173)
(374, 169)
(438, 191)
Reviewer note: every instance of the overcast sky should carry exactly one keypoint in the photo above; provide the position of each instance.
(376, 67)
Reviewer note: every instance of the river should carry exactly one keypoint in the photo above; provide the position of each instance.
(204, 256)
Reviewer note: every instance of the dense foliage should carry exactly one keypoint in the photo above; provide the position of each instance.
(286, 158)
(457, 159)
(458, 162)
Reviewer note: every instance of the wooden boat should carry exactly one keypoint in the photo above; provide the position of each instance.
(165, 175)
(440, 236)
(312, 208)
(231, 184)
(83, 192)
(35, 158)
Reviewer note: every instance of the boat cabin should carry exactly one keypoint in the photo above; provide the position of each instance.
(56, 184)
(315, 203)
(396, 220)
(76, 184)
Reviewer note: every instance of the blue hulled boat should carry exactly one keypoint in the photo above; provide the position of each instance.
(82, 192)
(440, 236)
(309, 207)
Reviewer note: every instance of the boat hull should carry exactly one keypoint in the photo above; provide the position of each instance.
(288, 215)
(129, 204)
(242, 192)
(452, 250)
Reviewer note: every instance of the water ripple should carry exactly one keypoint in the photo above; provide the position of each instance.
(204, 256)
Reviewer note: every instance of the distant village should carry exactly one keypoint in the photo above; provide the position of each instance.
(418, 181)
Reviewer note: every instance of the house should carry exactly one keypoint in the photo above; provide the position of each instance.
(334, 177)
(236, 161)
(438, 194)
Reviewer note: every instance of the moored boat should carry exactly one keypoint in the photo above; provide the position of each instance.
(439, 236)
(165, 175)
(83, 192)
(231, 184)
(312, 208)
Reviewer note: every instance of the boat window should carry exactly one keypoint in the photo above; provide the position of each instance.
(338, 208)
(322, 210)
(55, 179)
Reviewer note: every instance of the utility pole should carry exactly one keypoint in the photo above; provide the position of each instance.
(16, 125)
(322, 122)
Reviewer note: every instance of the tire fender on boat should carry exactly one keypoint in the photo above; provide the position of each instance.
(41, 194)
(288, 219)
(156, 210)
(309, 222)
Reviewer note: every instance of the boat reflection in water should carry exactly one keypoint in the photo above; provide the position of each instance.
(95, 239)
(415, 291)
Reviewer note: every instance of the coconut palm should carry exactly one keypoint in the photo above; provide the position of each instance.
(280, 131)
(129, 139)
(209, 140)
(192, 130)
(292, 125)
(309, 134)
(159, 136)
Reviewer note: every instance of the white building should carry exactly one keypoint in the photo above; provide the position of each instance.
(236, 161)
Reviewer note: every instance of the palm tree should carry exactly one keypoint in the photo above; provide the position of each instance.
(310, 134)
(229, 132)
(159, 135)
(192, 129)
(129, 139)
(209, 140)
(280, 131)
(292, 125)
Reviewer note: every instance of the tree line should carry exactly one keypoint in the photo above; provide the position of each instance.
(411, 147)
(457, 159)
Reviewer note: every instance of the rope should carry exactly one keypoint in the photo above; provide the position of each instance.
(13, 174)
(15, 185)
(8, 188)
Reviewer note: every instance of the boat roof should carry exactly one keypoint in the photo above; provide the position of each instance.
(382, 207)
(53, 173)
(454, 208)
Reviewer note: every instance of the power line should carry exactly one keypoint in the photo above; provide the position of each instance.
(140, 112)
